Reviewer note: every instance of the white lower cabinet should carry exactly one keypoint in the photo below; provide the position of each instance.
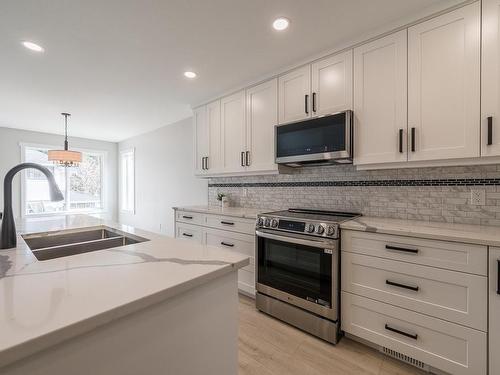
(449, 347)
(425, 299)
(228, 232)
(494, 293)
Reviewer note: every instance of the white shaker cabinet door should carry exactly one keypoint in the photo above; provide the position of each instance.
(294, 95)
(200, 139)
(332, 84)
(444, 86)
(233, 131)
(380, 100)
(490, 97)
(494, 326)
(261, 118)
(214, 161)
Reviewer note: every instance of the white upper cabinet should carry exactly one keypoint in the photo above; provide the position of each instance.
(490, 97)
(294, 95)
(200, 139)
(261, 118)
(380, 100)
(233, 132)
(444, 86)
(332, 84)
(214, 161)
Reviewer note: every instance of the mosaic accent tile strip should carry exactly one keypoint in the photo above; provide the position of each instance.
(432, 182)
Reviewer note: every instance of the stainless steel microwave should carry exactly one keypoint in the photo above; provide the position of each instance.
(322, 140)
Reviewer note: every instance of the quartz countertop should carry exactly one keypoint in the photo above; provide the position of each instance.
(46, 302)
(473, 234)
(248, 213)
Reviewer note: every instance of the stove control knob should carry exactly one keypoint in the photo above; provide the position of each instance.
(310, 228)
(274, 223)
(320, 229)
(260, 222)
(330, 231)
(267, 223)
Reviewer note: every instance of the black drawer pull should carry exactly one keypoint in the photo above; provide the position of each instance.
(498, 276)
(404, 249)
(490, 131)
(414, 288)
(187, 234)
(187, 217)
(227, 223)
(406, 334)
(227, 244)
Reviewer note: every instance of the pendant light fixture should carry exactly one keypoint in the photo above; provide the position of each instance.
(65, 157)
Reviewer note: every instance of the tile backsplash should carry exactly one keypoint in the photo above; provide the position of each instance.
(430, 194)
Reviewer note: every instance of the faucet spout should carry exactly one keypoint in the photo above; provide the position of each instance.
(8, 238)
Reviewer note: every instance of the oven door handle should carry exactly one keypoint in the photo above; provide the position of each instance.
(298, 241)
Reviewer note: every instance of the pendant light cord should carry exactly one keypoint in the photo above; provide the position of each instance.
(65, 130)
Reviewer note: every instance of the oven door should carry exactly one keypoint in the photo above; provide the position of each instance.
(320, 140)
(299, 270)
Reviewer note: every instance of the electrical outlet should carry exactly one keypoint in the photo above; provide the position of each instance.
(477, 197)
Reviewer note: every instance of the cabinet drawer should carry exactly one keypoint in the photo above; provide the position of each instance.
(442, 254)
(449, 295)
(449, 347)
(189, 232)
(190, 217)
(233, 224)
(241, 243)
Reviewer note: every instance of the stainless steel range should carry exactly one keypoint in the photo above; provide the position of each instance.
(298, 272)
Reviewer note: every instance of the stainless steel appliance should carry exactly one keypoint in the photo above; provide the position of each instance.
(298, 272)
(322, 140)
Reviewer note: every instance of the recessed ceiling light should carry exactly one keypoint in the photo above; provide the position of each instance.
(190, 74)
(33, 46)
(281, 23)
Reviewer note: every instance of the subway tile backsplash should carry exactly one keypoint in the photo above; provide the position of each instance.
(430, 194)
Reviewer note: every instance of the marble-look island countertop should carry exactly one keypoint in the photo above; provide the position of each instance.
(45, 302)
(466, 233)
(248, 213)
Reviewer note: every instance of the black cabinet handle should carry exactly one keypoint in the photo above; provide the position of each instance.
(413, 139)
(227, 223)
(306, 104)
(247, 158)
(392, 283)
(187, 234)
(314, 102)
(498, 276)
(203, 163)
(490, 131)
(227, 244)
(187, 217)
(404, 249)
(401, 133)
(406, 334)
(206, 162)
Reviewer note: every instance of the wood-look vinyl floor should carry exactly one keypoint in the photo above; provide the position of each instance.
(270, 347)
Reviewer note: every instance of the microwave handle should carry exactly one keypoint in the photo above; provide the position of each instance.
(298, 241)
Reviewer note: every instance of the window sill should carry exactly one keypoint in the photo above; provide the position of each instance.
(67, 213)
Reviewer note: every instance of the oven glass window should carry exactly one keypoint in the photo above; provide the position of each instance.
(325, 134)
(303, 271)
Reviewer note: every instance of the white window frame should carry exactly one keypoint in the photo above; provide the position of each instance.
(121, 177)
(104, 189)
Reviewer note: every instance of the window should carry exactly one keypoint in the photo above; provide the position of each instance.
(81, 186)
(127, 180)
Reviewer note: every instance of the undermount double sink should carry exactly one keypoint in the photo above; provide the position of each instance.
(51, 245)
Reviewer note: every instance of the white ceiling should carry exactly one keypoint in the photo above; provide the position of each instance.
(117, 65)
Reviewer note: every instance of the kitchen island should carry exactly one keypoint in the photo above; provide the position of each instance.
(163, 306)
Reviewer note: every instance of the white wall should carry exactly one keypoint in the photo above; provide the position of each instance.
(10, 155)
(164, 177)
